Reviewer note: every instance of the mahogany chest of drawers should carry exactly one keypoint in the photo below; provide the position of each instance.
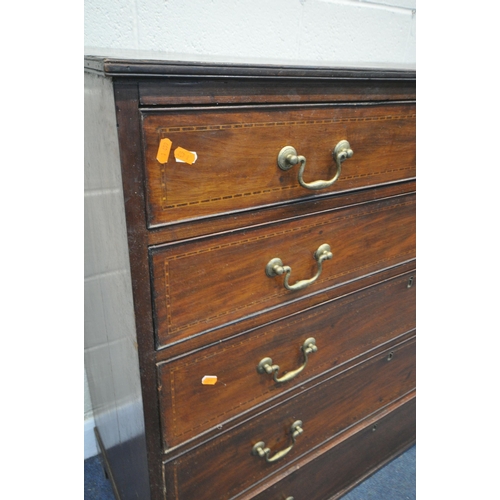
(250, 276)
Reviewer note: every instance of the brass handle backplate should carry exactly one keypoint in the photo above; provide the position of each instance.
(259, 449)
(266, 364)
(287, 158)
(275, 267)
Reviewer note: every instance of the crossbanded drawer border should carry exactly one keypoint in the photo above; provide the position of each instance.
(164, 132)
(269, 331)
(219, 441)
(171, 329)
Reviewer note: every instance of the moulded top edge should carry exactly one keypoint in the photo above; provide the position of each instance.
(159, 64)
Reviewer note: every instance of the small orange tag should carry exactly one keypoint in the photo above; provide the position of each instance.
(184, 155)
(164, 150)
(209, 380)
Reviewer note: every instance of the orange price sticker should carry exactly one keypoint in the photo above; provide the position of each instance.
(183, 155)
(209, 380)
(164, 150)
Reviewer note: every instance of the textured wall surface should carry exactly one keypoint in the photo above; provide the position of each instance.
(316, 31)
(110, 343)
(87, 402)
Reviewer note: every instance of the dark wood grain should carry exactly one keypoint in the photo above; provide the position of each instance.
(356, 456)
(326, 410)
(343, 329)
(247, 325)
(268, 215)
(237, 150)
(135, 63)
(217, 91)
(279, 398)
(128, 123)
(194, 283)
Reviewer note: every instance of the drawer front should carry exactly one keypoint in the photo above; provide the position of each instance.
(342, 329)
(351, 460)
(324, 411)
(195, 283)
(236, 166)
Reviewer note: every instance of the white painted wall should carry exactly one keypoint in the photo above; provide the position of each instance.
(319, 31)
(343, 32)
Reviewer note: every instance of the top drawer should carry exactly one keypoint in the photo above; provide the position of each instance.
(236, 150)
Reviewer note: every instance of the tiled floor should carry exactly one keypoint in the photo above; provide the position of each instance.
(395, 481)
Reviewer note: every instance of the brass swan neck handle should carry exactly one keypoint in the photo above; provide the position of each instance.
(287, 158)
(259, 449)
(266, 364)
(275, 267)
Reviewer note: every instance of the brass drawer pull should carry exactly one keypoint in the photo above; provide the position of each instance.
(287, 158)
(260, 450)
(275, 267)
(266, 364)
